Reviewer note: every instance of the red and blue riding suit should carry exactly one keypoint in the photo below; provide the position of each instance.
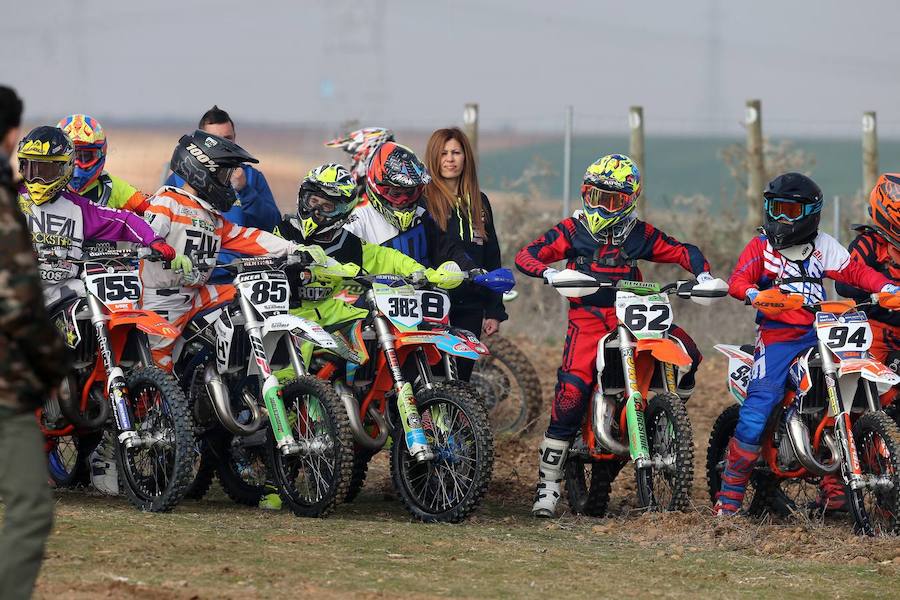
(780, 337)
(593, 316)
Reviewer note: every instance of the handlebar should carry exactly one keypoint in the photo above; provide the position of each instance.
(91, 255)
(684, 288)
(785, 301)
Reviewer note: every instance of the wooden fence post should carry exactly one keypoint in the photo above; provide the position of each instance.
(869, 152)
(470, 126)
(755, 164)
(636, 152)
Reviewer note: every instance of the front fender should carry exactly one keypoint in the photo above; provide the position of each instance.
(665, 350)
(442, 340)
(871, 370)
(145, 320)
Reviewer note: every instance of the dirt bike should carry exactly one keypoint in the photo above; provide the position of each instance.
(227, 359)
(114, 374)
(623, 423)
(442, 447)
(830, 422)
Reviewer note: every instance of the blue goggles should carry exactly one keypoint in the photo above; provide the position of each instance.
(790, 209)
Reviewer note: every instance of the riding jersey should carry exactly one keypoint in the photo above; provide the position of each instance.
(192, 226)
(345, 248)
(763, 267)
(424, 242)
(109, 190)
(572, 240)
(870, 248)
(66, 222)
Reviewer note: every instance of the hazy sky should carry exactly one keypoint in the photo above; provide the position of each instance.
(816, 65)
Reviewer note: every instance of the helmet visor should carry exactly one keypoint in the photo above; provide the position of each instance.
(785, 209)
(608, 201)
(224, 175)
(45, 171)
(85, 158)
(401, 197)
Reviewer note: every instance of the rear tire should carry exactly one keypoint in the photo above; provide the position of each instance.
(242, 469)
(358, 473)
(588, 484)
(877, 441)
(509, 384)
(68, 461)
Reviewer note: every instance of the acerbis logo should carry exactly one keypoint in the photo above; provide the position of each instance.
(203, 158)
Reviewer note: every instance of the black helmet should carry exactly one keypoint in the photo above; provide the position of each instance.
(205, 162)
(791, 211)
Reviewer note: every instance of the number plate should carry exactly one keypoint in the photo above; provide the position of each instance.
(268, 292)
(644, 316)
(116, 285)
(849, 332)
(406, 306)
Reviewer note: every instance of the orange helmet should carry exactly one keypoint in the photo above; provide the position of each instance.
(884, 207)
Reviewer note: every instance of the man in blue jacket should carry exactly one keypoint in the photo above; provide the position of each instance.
(255, 206)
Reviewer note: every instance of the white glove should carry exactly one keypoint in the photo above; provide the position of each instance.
(752, 293)
(548, 274)
(890, 288)
(704, 277)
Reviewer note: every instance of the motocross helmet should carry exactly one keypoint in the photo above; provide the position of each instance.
(326, 198)
(206, 162)
(792, 208)
(884, 207)
(394, 183)
(609, 193)
(90, 149)
(46, 161)
(360, 145)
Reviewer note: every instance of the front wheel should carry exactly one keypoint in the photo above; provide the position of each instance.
(666, 483)
(156, 471)
(876, 505)
(68, 459)
(312, 482)
(451, 485)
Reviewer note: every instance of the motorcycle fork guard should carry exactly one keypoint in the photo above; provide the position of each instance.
(277, 414)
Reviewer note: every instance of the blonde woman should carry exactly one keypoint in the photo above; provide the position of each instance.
(455, 202)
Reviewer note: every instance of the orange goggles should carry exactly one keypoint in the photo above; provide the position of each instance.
(604, 199)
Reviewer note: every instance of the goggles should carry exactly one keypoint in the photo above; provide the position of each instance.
(323, 206)
(604, 199)
(45, 171)
(401, 197)
(85, 158)
(789, 209)
(224, 175)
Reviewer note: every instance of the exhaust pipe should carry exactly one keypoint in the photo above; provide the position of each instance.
(798, 434)
(218, 395)
(604, 412)
(360, 435)
(69, 402)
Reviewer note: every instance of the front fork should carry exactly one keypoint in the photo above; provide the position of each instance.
(634, 403)
(271, 388)
(842, 426)
(116, 386)
(416, 442)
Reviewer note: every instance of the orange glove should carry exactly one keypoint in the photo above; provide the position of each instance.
(773, 302)
(889, 301)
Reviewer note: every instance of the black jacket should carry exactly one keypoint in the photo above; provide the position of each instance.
(485, 253)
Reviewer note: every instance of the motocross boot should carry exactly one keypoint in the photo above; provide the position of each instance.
(104, 474)
(550, 472)
(739, 462)
(832, 495)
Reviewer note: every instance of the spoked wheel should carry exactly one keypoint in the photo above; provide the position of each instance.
(876, 506)
(359, 471)
(666, 485)
(315, 480)
(68, 457)
(157, 470)
(589, 483)
(509, 386)
(241, 467)
(760, 482)
(450, 486)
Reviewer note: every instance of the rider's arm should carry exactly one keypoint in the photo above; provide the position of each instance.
(381, 259)
(838, 266)
(101, 223)
(252, 241)
(553, 246)
(665, 249)
(749, 269)
(126, 197)
(257, 202)
(862, 250)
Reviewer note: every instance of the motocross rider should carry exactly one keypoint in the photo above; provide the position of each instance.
(791, 255)
(605, 238)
